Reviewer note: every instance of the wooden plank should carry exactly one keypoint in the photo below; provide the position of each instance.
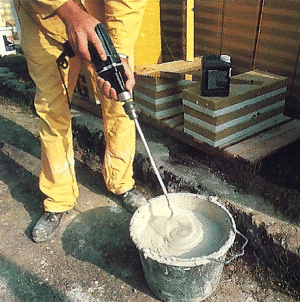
(174, 122)
(251, 151)
(235, 133)
(262, 145)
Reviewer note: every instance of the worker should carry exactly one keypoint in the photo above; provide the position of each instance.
(45, 26)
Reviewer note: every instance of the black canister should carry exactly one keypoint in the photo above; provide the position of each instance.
(216, 75)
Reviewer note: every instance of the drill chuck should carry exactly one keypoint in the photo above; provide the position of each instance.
(129, 108)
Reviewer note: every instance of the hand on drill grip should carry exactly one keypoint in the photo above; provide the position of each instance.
(110, 92)
(80, 28)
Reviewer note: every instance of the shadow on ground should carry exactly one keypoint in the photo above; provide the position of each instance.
(19, 137)
(23, 187)
(101, 236)
(16, 283)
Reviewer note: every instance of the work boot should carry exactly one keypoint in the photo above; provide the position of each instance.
(132, 200)
(46, 227)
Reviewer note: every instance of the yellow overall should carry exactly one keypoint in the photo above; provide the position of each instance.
(42, 38)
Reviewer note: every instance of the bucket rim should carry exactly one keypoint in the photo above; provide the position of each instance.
(194, 261)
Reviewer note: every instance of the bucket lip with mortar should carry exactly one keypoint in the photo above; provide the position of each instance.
(141, 213)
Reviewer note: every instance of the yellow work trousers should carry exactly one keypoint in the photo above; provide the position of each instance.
(57, 179)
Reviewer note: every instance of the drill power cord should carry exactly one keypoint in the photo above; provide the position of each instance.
(62, 63)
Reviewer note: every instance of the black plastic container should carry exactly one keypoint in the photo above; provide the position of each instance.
(216, 75)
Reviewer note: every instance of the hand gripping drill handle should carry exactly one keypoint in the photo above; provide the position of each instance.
(111, 70)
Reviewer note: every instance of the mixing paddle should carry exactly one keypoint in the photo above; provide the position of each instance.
(180, 232)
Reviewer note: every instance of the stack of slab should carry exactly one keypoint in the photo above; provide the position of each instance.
(256, 102)
(158, 89)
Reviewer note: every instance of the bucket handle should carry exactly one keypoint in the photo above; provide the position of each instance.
(236, 255)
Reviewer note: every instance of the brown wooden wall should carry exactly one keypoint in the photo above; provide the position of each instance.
(279, 39)
(261, 34)
(171, 30)
(240, 27)
(208, 16)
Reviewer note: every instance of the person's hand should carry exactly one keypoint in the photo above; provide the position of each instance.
(80, 28)
(110, 92)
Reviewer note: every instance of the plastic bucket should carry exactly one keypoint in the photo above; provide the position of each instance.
(183, 271)
(7, 45)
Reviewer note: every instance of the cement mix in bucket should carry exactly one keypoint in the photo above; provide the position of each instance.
(175, 235)
(197, 229)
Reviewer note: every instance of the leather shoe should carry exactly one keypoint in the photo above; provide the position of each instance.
(47, 226)
(132, 200)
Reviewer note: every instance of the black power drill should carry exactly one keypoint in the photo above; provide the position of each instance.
(111, 70)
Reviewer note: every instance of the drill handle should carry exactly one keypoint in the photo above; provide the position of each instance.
(67, 52)
(111, 70)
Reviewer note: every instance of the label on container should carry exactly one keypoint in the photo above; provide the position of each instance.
(217, 79)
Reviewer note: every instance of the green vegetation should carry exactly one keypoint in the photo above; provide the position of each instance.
(15, 82)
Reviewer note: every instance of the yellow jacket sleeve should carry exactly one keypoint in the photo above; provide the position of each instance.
(123, 20)
(41, 8)
(42, 12)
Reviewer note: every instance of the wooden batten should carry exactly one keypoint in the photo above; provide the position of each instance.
(256, 148)
(159, 91)
(188, 30)
(237, 132)
(193, 110)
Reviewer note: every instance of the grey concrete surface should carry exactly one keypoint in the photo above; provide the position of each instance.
(92, 257)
